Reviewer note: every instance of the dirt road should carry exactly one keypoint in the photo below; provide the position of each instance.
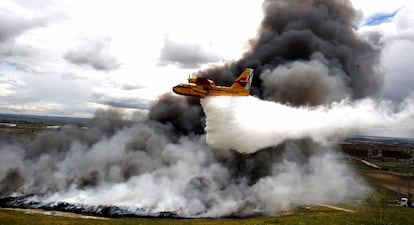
(389, 180)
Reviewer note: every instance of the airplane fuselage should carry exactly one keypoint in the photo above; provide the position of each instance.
(201, 87)
(201, 92)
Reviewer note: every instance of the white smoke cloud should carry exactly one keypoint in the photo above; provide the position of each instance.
(322, 179)
(147, 168)
(248, 124)
(196, 185)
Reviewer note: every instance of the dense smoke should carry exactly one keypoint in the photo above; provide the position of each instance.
(306, 53)
(317, 33)
(146, 165)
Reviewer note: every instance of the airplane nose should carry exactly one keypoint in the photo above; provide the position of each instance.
(175, 89)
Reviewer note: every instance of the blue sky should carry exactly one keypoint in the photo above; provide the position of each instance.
(70, 58)
(378, 18)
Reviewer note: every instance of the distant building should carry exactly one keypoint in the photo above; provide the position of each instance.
(8, 125)
(53, 127)
(374, 149)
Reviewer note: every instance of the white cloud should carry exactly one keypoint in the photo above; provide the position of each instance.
(94, 52)
(48, 31)
(185, 55)
(368, 7)
(65, 51)
(396, 38)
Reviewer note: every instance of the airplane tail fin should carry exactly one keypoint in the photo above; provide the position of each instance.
(244, 80)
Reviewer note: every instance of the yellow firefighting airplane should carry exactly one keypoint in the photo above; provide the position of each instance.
(201, 87)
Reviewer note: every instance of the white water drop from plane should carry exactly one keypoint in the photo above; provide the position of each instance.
(248, 124)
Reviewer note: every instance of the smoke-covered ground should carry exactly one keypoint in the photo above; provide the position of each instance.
(146, 166)
(316, 75)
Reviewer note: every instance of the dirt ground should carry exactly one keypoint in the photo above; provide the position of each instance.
(56, 213)
(389, 180)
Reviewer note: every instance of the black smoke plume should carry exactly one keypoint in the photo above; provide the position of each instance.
(305, 53)
(307, 31)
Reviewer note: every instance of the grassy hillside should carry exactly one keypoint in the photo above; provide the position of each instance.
(314, 215)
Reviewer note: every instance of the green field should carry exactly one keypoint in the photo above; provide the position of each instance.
(27, 129)
(313, 215)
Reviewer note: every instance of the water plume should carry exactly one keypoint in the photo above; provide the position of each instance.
(248, 124)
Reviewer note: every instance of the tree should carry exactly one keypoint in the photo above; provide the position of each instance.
(379, 202)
